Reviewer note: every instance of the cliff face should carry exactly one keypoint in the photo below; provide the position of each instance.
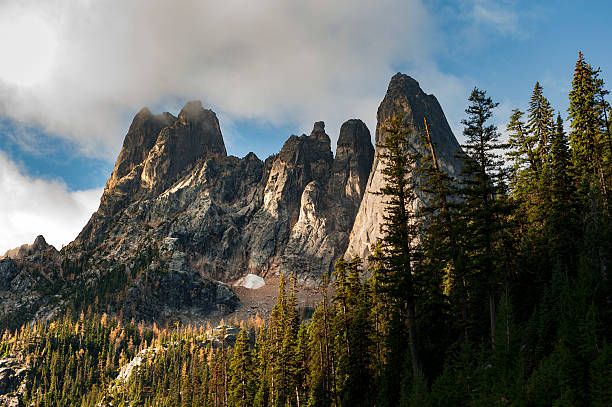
(179, 217)
(406, 98)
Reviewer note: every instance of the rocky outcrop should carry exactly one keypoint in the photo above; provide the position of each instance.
(138, 142)
(406, 98)
(8, 271)
(327, 210)
(302, 161)
(39, 246)
(194, 136)
(13, 382)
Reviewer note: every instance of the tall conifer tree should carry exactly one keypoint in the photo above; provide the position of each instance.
(395, 273)
(482, 207)
(590, 143)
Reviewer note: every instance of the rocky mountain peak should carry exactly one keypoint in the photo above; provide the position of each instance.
(196, 135)
(402, 83)
(157, 151)
(178, 215)
(310, 153)
(192, 112)
(40, 243)
(138, 142)
(318, 132)
(353, 162)
(404, 98)
(200, 128)
(354, 137)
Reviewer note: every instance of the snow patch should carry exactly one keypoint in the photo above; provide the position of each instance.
(251, 281)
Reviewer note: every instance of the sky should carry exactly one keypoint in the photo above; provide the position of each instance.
(74, 73)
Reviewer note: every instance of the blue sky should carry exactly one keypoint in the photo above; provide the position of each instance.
(78, 74)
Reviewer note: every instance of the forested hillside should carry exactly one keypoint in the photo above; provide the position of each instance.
(495, 292)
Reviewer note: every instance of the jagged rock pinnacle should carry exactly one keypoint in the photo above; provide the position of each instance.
(406, 98)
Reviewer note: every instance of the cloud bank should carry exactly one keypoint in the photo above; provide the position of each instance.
(280, 61)
(33, 206)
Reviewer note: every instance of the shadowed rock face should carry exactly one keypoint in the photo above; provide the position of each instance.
(195, 135)
(404, 97)
(178, 216)
(139, 140)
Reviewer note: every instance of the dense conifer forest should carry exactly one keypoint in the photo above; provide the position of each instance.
(495, 292)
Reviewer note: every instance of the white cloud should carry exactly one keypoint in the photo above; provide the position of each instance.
(498, 15)
(33, 206)
(274, 60)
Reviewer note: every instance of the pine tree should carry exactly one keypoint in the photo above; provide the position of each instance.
(439, 264)
(590, 143)
(562, 212)
(522, 145)
(321, 372)
(395, 271)
(353, 337)
(591, 149)
(276, 335)
(290, 357)
(241, 371)
(262, 352)
(482, 207)
(540, 124)
(301, 366)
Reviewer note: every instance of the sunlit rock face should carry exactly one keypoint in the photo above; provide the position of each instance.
(406, 98)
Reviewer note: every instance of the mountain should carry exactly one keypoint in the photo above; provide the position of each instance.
(180, 220)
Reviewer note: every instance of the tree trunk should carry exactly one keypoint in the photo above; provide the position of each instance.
(492, 315)
(414, 355)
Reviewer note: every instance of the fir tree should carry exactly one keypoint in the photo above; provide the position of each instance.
(482, 208)
(396, 270)
(241, 371)
(321, 372)
(562, 212)
(540, 124)
(591, 147)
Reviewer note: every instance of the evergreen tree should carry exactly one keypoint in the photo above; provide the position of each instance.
(275, 338)
(395, 272)
(562, 212)
(353, 338)
(522, 145)
(241, 371)
(482, 208)
(321, 372)
(590, 144)
(262, 352)
(540, 124)
(290, 357)
(439, 262)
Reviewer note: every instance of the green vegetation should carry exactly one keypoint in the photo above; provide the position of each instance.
(495, 293)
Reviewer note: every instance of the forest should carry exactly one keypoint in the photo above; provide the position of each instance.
(495, 291)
